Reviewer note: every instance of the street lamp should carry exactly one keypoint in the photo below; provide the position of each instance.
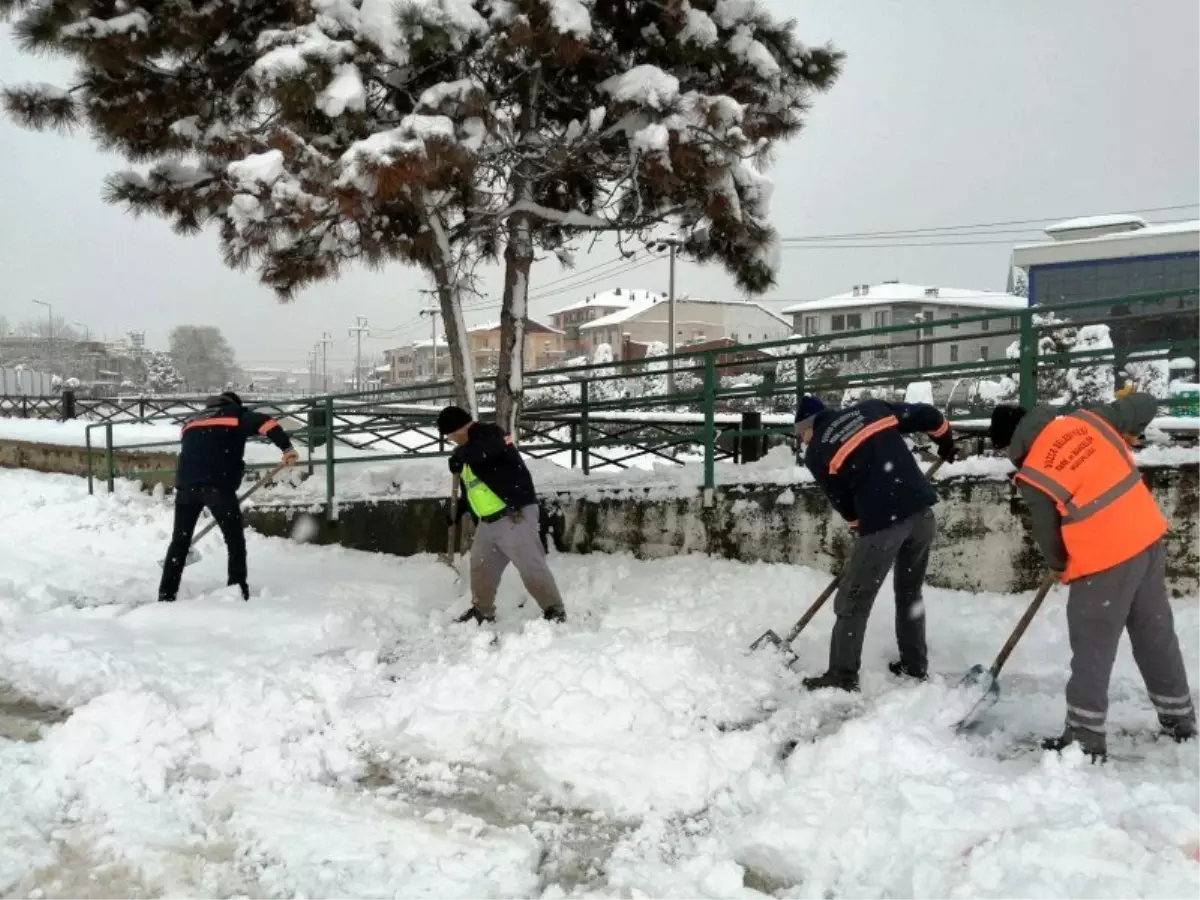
(87, 332)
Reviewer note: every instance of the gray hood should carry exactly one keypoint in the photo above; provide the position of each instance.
(1027, 431)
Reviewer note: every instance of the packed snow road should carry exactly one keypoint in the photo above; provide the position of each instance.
(336, 737)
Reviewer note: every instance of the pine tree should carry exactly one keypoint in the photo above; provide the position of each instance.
(443, 133)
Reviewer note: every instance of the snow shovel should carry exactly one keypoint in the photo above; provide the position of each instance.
(454, 532)
(194, 554)
(785, 644)
(983, 681)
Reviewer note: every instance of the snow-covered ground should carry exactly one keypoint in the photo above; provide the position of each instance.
(337, 736)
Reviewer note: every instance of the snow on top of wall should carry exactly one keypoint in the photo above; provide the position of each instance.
(1182, 362)
(898, 292)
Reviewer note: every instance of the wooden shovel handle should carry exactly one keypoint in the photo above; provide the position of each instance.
(1034, 605)
(271, 473)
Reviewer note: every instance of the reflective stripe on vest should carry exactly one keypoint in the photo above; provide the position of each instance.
(482, 498)
(1108, 514)
(855, 440)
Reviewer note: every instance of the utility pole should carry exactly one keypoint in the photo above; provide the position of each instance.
(312, 368)
(87, 331)
(49, 328)
(326, 340)
(360, 326)
(672, 245)
(432, 312)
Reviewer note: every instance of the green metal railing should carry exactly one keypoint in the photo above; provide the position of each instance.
(607, 415)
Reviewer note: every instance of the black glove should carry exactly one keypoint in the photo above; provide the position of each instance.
(946, 449)
(456, 464)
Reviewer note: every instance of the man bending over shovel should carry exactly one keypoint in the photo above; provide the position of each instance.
(1101, 532)
(860, 460)
(501, 498)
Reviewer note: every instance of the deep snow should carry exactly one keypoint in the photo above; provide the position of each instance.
(336, 736)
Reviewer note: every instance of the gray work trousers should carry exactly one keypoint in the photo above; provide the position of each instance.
(1130, 596)
(906, 544)
(513, 539)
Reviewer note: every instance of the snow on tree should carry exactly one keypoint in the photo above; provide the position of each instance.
(1091, 380)
(161, 376)
(443, 133)
(203, 357)
(1065, 377)
(1152, 376)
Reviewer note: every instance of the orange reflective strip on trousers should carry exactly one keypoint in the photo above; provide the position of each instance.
(1109, 515)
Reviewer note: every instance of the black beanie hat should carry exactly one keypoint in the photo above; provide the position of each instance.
(1004, 422)
(231, 397)
(452, 418)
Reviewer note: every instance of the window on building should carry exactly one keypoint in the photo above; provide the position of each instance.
(954, 321)
(839, 323)
(954, 353)
(1014, 322)
(985, 325)
(927, 316)
(881, 318)
(812, 325)
(854, 321)
(733, 336)
(881, 352)
(853, 355)
(983, 352)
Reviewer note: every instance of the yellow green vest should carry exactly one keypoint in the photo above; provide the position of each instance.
(482, 498)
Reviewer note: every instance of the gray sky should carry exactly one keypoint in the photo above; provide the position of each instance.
(947, 113)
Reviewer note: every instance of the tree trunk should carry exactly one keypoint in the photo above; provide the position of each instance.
(518, 259)
(450, 303)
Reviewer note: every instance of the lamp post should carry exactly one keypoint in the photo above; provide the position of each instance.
(49, 321)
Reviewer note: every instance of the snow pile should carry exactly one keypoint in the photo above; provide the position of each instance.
(336, 736)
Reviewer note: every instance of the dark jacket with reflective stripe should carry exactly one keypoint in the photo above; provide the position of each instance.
(1129, 415)
(214, 446)
(498, 464)
(859, 458)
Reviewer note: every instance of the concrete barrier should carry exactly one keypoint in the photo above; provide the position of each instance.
(67, 460)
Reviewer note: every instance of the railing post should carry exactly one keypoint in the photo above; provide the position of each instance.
(583, 425)
(801, 380)
(751, 446)
(710, 422)
(1029, 354)
(24, 407)
(87, 442)
(330, 511)
(110, 459)
(141, 409)
(68, 405)
(574, 448)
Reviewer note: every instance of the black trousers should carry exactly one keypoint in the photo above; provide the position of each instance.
(189, 503)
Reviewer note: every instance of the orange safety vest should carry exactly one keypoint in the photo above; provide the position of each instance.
(1108, 513)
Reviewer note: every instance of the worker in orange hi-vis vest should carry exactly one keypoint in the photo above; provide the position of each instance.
(1099, 528)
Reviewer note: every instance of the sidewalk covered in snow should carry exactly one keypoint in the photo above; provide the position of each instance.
(336, 736)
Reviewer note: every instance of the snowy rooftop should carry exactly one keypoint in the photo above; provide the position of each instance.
(618, 298)
(1086, 223)
(1151, 240)
(899, 292)
(532, 326)
(626, 314)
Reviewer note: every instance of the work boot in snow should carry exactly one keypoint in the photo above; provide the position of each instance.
(474, 615)
(1178, 728)
(244, 588)
(1093, 744)
(555, 614)
(163, 598)
(832, 680)
(900, 670)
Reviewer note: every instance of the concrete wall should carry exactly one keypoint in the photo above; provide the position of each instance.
(984, 543)
(73, 461)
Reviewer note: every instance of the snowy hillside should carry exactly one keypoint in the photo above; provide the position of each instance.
(337, 737)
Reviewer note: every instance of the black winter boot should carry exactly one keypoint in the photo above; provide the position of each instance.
(1093, 744)
(832, 680)
(555, 614)
(245, 589)
(474, 615)
(900, 670)
(1178, 728)
(163, 598)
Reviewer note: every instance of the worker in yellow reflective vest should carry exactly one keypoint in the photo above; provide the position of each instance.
(500, 497)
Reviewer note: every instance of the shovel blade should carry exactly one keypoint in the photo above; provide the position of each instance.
(983, 684)
(768, 637)
(192, 557)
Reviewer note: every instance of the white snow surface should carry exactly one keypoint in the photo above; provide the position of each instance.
(337, 736)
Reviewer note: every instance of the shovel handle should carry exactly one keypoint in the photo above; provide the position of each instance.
(455, 530)
(271, 473)
(1011, 644)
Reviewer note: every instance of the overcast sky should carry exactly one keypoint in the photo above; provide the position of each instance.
(947, 113)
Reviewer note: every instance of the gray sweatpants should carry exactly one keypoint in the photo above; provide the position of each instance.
(1131, 596)
(514, 539)
(906, 544)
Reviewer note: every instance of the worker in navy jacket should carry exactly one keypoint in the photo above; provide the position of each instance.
(211, 466)
(859, 458)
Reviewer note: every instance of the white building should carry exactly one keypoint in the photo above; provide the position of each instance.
(570, 319)
(838, 317)
(696, 321)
